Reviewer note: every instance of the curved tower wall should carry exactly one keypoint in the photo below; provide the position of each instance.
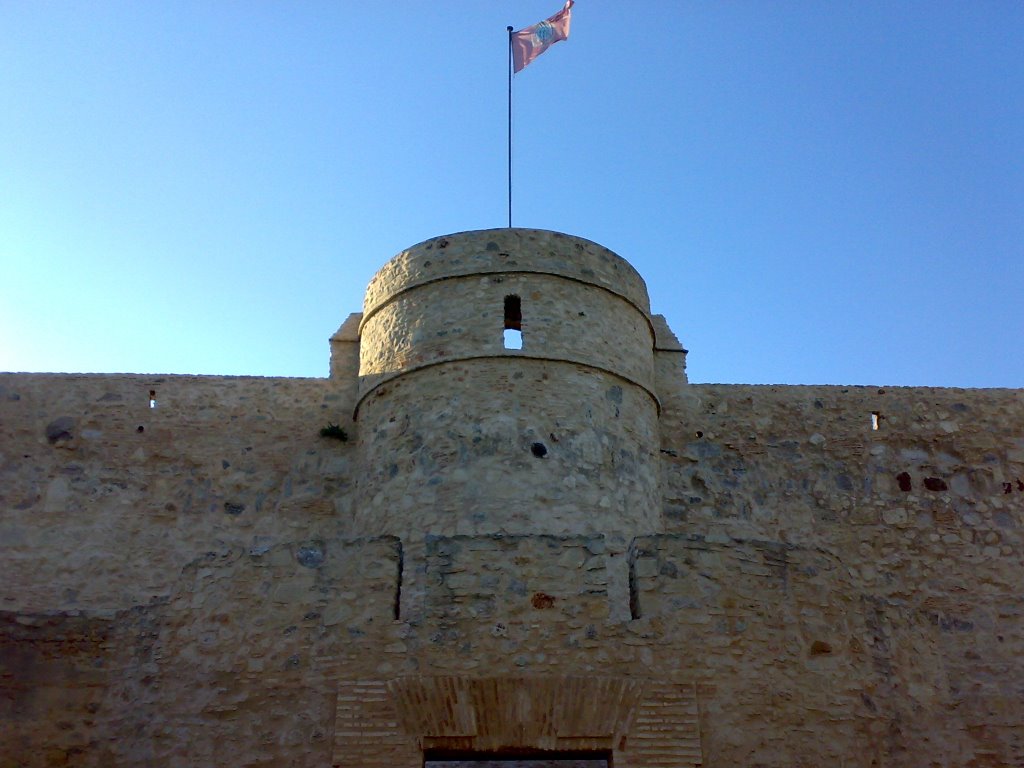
(461, 435)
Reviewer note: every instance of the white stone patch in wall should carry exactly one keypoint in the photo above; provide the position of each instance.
(56, 495)
(895, 516)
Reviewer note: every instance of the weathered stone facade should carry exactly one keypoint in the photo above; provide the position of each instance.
(564, 549)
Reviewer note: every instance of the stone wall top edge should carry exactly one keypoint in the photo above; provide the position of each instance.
(409, 267)
(498, 231)
(852, 388)
(151, 377)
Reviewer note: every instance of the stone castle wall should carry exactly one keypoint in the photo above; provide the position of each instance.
(170, 594)
(210, 581)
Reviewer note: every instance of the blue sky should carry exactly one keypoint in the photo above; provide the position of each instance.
(816, 192)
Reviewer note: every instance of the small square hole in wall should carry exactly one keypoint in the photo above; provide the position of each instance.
(152, 398)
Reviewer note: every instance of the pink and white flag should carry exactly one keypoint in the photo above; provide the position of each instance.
(529, 43)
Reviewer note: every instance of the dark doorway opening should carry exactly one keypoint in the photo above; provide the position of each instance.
(516, 759)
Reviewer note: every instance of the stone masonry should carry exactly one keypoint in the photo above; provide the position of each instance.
(560, 552)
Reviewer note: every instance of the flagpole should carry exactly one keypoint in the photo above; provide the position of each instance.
(510, 127)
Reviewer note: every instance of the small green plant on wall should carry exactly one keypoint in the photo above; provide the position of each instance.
(334, 431)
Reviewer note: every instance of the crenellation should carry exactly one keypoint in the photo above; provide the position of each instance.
(565, 547)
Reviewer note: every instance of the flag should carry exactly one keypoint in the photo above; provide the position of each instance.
(529, 43)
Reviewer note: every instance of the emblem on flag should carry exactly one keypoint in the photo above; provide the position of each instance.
(544, 32)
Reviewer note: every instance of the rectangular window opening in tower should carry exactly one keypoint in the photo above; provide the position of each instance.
(513, 336)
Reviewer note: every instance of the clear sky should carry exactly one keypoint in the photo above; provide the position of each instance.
(816, 191)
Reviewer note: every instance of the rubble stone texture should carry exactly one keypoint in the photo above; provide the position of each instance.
(560, 551)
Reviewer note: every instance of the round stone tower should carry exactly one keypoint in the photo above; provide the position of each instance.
(506, 385)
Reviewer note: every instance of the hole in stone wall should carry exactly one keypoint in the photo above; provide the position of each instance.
(513, 335)
(513, 313)
(152, 398)
(820, 648)
(634, 594)
(903, 478)
(539, 450)
(698, 434)
(935, 484)
(397, 608)
(542, 601)
(875, 418)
